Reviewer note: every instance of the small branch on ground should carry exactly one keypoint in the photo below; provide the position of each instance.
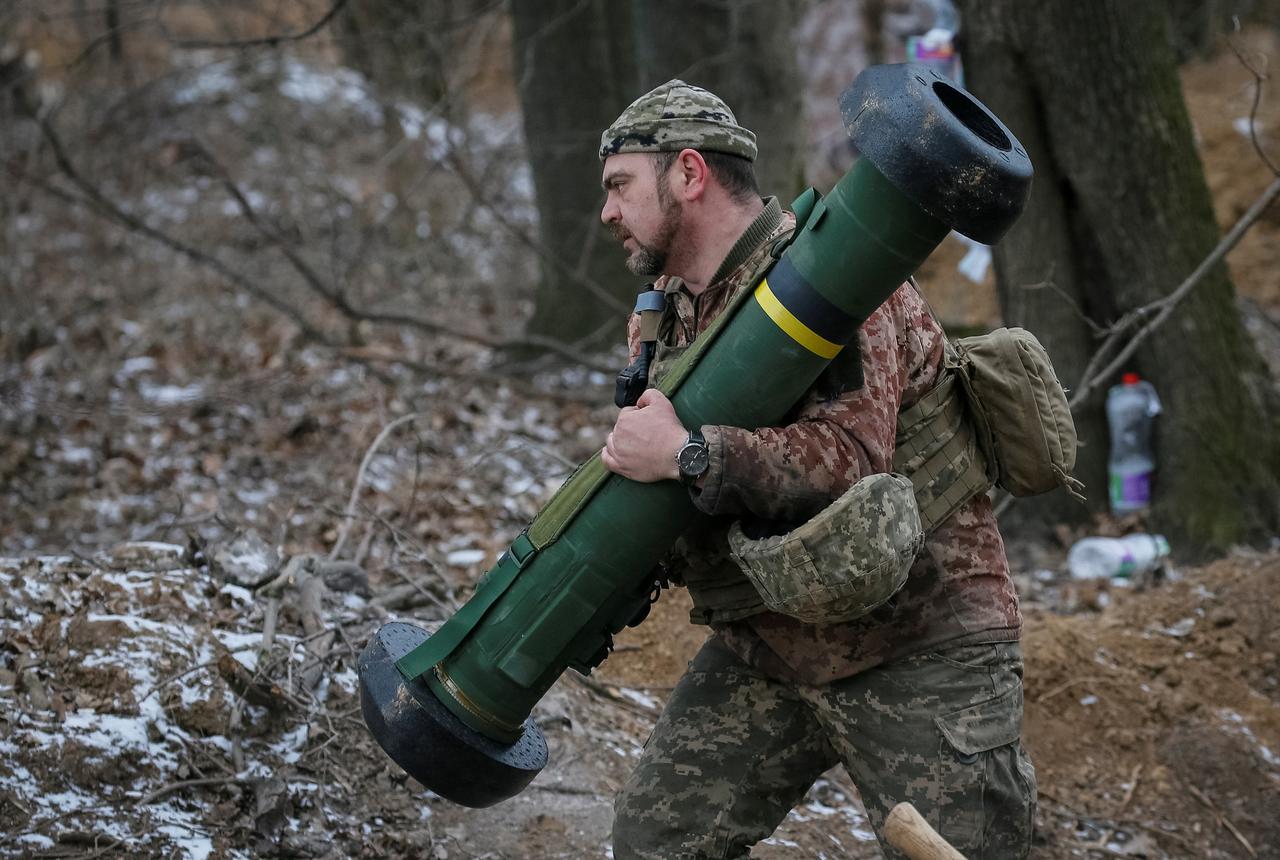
(402, 596)
(256, 690)
(360, 473)
(617, 698)
(177, 676)
(311, 594)
(1222, 819)
(185, 783)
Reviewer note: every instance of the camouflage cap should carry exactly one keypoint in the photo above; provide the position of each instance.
(674, 116)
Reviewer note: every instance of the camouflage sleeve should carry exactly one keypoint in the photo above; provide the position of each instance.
(790, 473)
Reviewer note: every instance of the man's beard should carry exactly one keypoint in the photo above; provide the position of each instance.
(651, 259)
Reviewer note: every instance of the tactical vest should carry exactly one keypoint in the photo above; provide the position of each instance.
(936, 446)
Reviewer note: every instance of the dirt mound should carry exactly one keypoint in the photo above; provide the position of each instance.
(1155, 724)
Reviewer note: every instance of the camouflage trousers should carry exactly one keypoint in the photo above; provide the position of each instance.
(734, 751)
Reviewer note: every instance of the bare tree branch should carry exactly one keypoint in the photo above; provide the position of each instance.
(1050, 284)
(473, 186)
(268, 41)
(108, 208)
(1162, 308)
(1258, 79)
(339, 301)
(1165, 306)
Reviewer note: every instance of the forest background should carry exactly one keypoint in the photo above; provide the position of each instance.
(326, 281)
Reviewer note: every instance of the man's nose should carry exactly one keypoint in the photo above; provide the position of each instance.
(610, 211)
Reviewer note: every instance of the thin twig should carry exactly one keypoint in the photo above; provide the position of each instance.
(364, 466)
(1087, 679)
(619, 700)
(1222, 819)
(266, 41)
(1092, 377)
(395, 598)
(320, 636)
(608, 299)
(101, 205)
(1133, 787)
(1050, 284)
(185, 783)
(107, 208)
(164, 682)
(340, 302)
(1258, 79)
(1124, 804)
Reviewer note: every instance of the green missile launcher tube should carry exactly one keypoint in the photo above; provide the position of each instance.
(454, 708)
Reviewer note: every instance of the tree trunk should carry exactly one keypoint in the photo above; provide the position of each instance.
(743, 52)
(1119, 216)
(574, 74)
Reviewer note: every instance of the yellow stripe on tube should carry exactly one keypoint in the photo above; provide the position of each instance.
(796, 330)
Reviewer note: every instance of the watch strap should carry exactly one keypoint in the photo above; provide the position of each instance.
(698, 440)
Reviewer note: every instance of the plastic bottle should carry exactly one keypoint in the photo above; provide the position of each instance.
(1098, 557)
(1131, 406)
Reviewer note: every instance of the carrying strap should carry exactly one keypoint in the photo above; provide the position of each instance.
(461, 623)
(649, 305)
(555, 517)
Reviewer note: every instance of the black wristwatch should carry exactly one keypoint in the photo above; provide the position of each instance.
(693, 458)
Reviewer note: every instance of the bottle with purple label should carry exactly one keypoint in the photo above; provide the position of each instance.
(1131, 409)
(1122, 557)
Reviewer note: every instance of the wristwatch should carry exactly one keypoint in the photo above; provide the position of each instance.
(693, 458)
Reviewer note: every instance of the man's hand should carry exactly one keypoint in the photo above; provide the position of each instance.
(645, 440)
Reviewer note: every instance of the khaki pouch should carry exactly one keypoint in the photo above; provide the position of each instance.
(1020, 411)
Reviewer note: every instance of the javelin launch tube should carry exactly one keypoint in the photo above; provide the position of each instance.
(454, 708)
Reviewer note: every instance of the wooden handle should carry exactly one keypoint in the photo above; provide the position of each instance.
(907, 831)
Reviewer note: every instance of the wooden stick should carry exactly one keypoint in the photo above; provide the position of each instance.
(1222, 819)
(320, 636)
(906, 830)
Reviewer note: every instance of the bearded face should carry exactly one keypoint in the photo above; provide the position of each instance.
(649, 252)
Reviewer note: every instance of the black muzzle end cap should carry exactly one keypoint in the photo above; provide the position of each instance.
(425, 739)
(939, 146)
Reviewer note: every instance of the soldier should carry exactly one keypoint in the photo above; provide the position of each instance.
(919, 698)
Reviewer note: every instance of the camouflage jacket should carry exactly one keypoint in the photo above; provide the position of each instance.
(958, 591)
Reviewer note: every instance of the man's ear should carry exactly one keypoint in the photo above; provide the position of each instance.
(693, 175)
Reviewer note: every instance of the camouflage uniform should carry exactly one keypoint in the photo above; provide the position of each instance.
(921, 699)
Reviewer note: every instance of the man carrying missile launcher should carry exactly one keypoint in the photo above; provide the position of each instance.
(919, 696)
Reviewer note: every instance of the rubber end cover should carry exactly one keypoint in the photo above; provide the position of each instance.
(424, 738)
(939, 146)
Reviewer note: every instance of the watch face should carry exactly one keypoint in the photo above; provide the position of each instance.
(692, 459)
